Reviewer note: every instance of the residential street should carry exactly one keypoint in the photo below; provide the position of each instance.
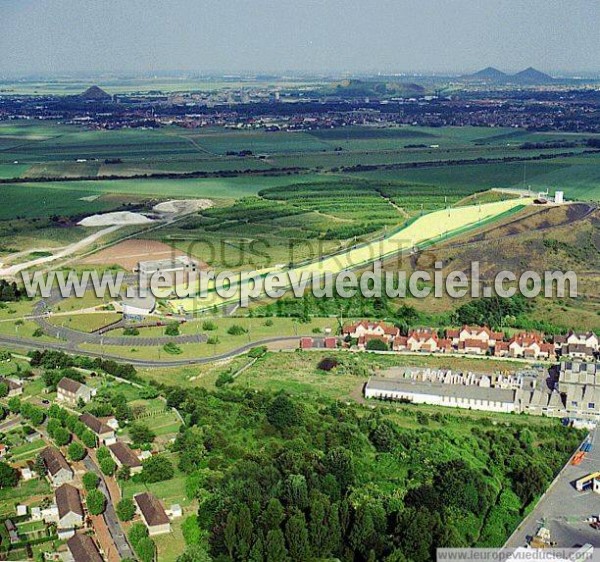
(112, 521)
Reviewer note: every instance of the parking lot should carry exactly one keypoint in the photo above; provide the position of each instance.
(563, 509)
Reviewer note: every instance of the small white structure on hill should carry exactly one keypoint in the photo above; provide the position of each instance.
(559, 197)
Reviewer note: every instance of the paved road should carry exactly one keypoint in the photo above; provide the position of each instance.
(116, 531)
(563, 510)
(75, 337)
(69, 347)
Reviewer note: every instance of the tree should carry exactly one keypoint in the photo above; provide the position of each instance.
(90, 481)
(62, 436)
(103, 453)
(9, 477)
(14, 405)
(124, 473)
(137, 532)
(141, 433)
(274, 514)
(40, 465)
(96, 502)
(282, 412)
(88, 438)
(296, 535)
(384, 436)
(156, 469)
(190, 444)
(3, 390)
(146, 550)
(76, 451)
(108, 466)
(275, 550)
(172, 329)
(339, 462)
(126, 509)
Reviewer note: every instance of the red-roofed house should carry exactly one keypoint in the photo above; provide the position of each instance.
(529, 345)
(423, 339)
(480, 333)
(473, 346)
(359, 330)
(501, 349)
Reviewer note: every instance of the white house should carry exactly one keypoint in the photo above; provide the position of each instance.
(59, 470)
(153, 514)
(70, 510)
(71, 391)
(105, 434)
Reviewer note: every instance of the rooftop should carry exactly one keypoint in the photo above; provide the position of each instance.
(450, 390)
(54, 460)
(68, 500)
(152, 511)
(83, 549)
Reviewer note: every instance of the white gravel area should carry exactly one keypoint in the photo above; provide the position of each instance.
(119, 218)
(182, 206)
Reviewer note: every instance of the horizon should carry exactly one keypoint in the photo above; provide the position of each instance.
(306, 37)
(331, 74)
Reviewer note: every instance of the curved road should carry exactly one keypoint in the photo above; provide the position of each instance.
(71, 347)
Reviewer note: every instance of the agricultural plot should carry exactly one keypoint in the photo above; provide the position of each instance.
(35, 200)
(577, 176)
(430, 228)
(259, 142)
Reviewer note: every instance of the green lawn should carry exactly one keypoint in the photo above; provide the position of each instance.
(27, 451)
(168, 492)
(25, 492)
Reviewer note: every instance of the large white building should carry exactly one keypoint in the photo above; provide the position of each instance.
(168, 267)
(458, 396)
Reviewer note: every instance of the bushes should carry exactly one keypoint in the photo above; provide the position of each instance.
(142, 544)
(172, 349)
(209, 326)
(223, 379)
(131, 331)
(172, 329)
(377, 345)
(236, 330)
(257, 352)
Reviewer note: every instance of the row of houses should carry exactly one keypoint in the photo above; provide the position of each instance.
(573, 391)
(67, 511)
(59, 471)
(473, 340)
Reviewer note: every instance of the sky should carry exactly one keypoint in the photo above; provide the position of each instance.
(314, 36)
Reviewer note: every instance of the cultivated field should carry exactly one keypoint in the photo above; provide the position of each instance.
(128, 253)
